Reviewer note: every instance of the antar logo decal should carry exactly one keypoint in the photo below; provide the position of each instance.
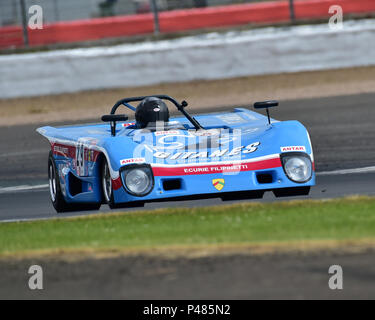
(218, 183)
(293, 148)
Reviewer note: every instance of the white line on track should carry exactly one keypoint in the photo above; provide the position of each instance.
(29, 220)
(21, 153)
(347, 171)
(22, 188)
(323, 173)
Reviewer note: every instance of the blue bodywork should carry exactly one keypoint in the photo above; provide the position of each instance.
(239, 147)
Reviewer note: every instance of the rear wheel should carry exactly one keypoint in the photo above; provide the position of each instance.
(56, 195)
(107, 185)
(57, 198)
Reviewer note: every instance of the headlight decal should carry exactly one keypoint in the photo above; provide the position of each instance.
(137, 180)
(297, 166)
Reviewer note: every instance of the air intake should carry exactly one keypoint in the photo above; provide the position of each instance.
(263, 178)
(172, 184)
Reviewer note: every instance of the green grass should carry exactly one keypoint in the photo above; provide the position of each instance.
(246, 223)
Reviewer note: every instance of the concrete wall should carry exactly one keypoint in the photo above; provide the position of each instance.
(211, 56)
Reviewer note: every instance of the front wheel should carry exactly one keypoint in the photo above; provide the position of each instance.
(57, 198)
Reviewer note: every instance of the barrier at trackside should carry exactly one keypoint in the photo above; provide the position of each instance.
(319, 8)
(179, 20)
(277, 11)
(11, 37)
(202, 57)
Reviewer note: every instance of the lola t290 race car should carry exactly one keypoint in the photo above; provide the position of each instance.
(228, 155)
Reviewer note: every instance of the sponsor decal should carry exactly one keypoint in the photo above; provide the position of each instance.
(90, 155)
(80, 163)
(218, 183)
(116, 183)
(61, 149)
(166, 139)
(206, 133)
(124, 125)
(245, 165)
(132, 160)
(293, 148)
(231, 118)
(249, 130)
(250, 116)
(89, 140)
(252, 147)
(170, 132)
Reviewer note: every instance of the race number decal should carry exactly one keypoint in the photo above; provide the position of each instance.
(80, 160)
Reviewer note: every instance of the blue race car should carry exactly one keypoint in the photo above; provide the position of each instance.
(228, 155)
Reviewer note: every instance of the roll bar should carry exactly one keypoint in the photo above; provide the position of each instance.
(180, 107)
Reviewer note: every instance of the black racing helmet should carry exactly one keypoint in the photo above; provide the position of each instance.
(150, 111)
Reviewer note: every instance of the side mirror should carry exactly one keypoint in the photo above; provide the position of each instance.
(266, 105)
(112, 118)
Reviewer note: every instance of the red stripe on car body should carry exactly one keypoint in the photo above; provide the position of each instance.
(116, 183)
(218, 168)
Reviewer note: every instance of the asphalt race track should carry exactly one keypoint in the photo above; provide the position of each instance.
(341, 129)
(278, 276)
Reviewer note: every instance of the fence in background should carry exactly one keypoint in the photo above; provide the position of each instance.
(201, 57)
(74, 21)
(69, 10)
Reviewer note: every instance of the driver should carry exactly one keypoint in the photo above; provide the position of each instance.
(151, 112)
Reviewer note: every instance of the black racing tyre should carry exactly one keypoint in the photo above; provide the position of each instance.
(56, 195)
(107, 187)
